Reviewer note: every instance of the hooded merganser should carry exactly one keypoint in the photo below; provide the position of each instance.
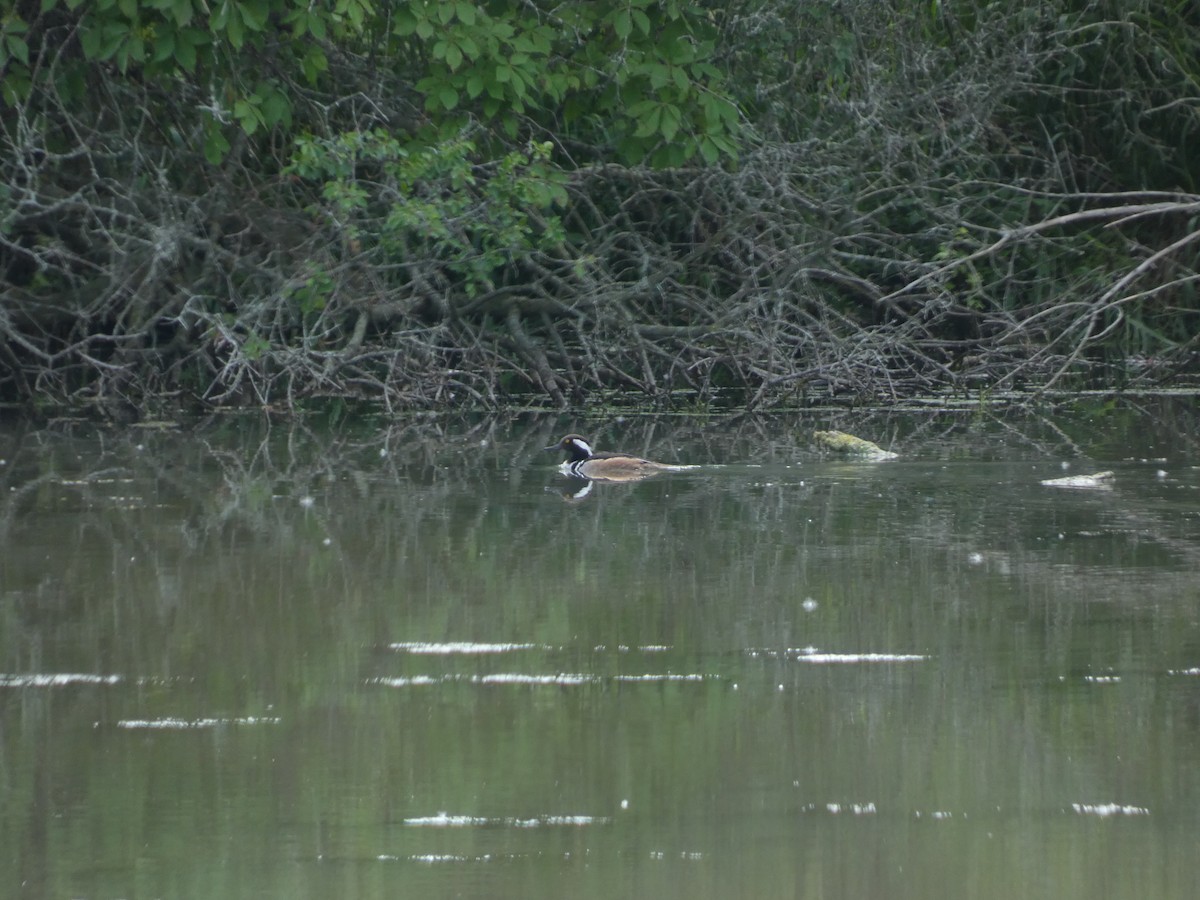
(583, 462)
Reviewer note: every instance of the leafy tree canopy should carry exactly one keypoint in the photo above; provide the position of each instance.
(631, 80)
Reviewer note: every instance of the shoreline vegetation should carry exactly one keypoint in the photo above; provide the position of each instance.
(436, 203)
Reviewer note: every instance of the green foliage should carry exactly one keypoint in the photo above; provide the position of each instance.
(233, 46)
(313, 295)
(435, 205)
(14, 57)
(634, 78)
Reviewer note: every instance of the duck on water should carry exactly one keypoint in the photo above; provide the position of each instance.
(584, 462)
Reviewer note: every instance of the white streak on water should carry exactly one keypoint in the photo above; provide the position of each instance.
(56, 679)
(524, 678)
(444, 820)
(810, 655)
(440, 858)
(564, 820)
(858, 809)
(813, 655)
(85, 482)
(187, 724)
(562, 678)
(416, 680)
(447, 648)
(1104, 810)
(521, 678)
(465, 647)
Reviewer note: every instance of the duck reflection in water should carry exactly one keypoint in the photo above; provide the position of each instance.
(585, 463)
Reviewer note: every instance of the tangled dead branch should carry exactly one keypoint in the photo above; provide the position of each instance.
(903, 243)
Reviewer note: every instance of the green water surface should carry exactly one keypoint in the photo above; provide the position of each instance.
(407, 658)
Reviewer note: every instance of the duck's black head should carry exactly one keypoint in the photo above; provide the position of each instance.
(575, 446)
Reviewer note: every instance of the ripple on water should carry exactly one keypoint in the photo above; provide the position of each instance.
(558, 679)
(445, 820)
(449, 648)
(1105, 810)
(813, 655)
(56, 679)
(460, 647)
(169, 723)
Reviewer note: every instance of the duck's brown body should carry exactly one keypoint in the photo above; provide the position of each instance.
(583, 462)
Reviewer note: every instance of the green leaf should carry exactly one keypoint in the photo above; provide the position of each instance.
(246, 115)
(454, 56)
(518, 83)
(164, 47)
(709, 150)
(541, 40)
(185, 55)
(314, 63)
(235, 32)
(474, 85)
(316, 25)
(215, 145)
(181, 10)
(15, 87)
(448, 96)
(642, 21)
(254, 14)
(424, 29)
(671, 118)
(276, 109)
(725, 144)
(405, 23)
(445, 13)
(89, 41)
(718, 110)
(641, 108)
(621, 24)
(17, 48)
(466, 12)
(659, 75)
(649, 124)
(112, 37)
(677, 154)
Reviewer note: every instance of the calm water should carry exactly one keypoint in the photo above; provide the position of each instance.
(394, 659)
